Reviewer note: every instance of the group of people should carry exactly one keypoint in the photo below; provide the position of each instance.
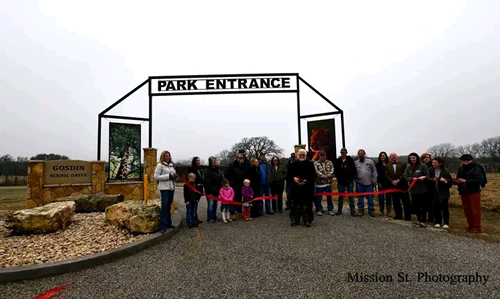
(421, 187)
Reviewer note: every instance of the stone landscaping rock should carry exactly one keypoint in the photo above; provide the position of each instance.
(40, 220)
(93, 202)
(135, 216)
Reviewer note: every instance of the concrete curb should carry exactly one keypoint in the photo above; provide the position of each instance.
(42, 270)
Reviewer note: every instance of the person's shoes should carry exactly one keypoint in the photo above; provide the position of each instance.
(446, 226)
(360, 214)
(171, 226)
(190, 226)
(319, 213)
(213, 221)
(287, 208)
(280, 211)
(423, 225)
(371, 213)
(293, 223)
(353, 213)
(437, 225)
(307, 224)
(331, 213)
(270, 213)
(195, 225)
(163, 231)
(200, 222)
(338, 213)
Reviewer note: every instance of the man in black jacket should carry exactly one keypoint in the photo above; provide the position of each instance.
(345, 172)
(303, 176)
(236, 174)
(470, 179)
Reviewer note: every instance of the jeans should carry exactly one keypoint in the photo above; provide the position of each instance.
(211, 209)
(288, 195)
(361, 199)
(350, 189)
(317, 199)
(191, 216)
(265, 191)
(441, 211)
(167, 197)
(384, 199)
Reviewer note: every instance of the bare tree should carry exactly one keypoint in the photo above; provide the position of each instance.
(254, 146)
(183, 162)
(491, 150)
(225, 157)
(465, 149)
(445, 151)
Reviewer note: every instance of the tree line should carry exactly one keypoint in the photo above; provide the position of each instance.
(19, 166)
(486, 152)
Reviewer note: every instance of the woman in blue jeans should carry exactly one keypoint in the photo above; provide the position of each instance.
(165, 175)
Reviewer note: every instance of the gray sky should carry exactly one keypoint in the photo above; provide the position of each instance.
(408, 76)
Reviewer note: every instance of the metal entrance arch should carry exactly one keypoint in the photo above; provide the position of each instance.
(219, 84)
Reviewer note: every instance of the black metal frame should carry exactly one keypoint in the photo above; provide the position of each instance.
(150, 118)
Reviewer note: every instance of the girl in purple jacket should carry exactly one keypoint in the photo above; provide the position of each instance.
(247, 194)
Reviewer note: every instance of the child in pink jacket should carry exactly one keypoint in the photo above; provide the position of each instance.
(227, 194)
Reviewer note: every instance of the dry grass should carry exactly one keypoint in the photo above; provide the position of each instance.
(12, 199)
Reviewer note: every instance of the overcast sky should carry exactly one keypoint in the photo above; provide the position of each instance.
(408, 74)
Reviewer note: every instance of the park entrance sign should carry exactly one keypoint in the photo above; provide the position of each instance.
(221, 84)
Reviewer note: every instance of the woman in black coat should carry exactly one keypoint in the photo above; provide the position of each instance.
(254, 176)
(441, 181)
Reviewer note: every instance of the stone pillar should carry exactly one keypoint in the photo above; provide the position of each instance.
(98, 176)
(34, 196)
(150, 161)
(299, 147)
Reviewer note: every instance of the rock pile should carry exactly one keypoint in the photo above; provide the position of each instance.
(41, 220)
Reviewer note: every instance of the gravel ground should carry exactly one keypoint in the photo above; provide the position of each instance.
(88, 234)
(266, 258)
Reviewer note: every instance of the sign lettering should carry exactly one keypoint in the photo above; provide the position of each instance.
(67, 172)
(208, 85)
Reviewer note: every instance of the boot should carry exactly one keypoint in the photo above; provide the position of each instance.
(389, 210)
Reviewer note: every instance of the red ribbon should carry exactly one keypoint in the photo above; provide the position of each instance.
(394, 190)
(50, 293)
(223, 201)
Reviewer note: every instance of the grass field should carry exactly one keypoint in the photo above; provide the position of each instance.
(12, 199)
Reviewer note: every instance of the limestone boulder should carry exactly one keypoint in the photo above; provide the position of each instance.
(135, 216)
(93, 202)
(41, 220)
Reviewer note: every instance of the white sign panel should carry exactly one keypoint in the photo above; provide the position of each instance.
(223, 84)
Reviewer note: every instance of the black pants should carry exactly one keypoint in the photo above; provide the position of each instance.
(419, 203)
(302, 205)
(397, 198)
(441, 211)
(277, 204)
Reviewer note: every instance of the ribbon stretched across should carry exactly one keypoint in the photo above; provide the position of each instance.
(394, 190)
(223, 201)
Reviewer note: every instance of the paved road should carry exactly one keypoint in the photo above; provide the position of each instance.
(266, 258)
